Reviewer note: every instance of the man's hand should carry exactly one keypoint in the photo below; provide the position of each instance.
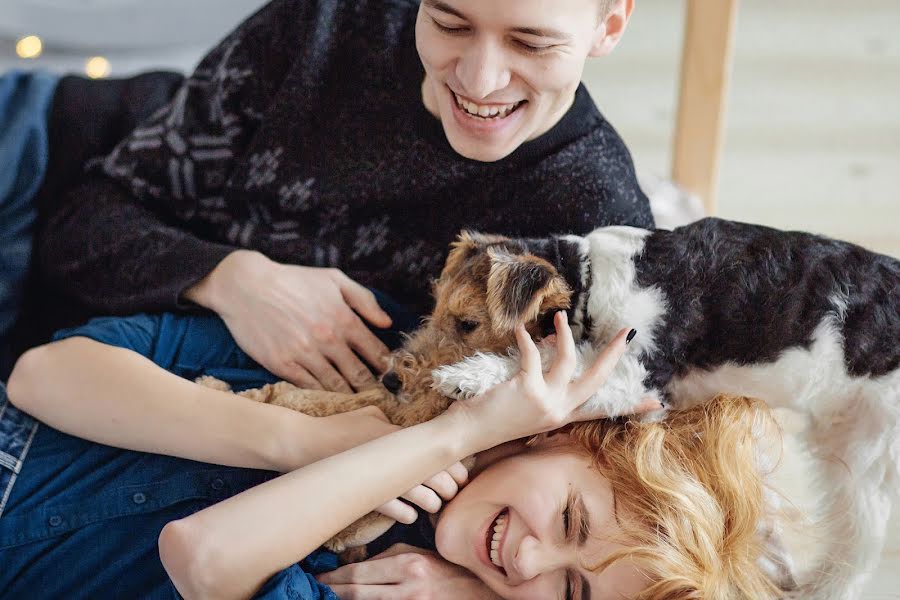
(303, 324)
(404, 572)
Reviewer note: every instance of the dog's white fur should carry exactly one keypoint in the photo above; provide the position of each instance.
(854, 422)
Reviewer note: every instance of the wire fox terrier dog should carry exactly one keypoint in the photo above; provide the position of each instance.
(798, 320)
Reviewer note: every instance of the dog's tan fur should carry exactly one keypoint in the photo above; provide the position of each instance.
(483, 292)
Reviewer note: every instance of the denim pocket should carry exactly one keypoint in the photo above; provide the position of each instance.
(17, 431)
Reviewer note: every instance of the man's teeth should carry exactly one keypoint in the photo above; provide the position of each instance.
(485, 112)
(499, 528)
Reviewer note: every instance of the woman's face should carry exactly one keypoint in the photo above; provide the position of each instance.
(514, 63)
(521, 505)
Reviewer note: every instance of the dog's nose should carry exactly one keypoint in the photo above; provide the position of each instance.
(392, 382)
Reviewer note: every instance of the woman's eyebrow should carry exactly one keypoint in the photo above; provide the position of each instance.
(584, 532)
(584, 520)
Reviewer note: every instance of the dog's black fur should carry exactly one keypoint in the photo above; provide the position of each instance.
(744, 293)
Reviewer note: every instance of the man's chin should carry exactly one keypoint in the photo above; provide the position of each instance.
(473, 150)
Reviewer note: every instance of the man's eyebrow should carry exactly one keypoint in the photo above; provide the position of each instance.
(545, 32)
(444, 7)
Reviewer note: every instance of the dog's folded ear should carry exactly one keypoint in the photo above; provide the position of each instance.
(467, 244)
(521, 287)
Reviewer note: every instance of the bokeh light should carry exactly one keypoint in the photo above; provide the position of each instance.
(97, 67)
(29, 46)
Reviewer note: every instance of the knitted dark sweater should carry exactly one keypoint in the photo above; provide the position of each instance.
(303, 135)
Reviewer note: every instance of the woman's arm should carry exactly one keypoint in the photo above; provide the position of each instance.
(117, 397)
(230, 549)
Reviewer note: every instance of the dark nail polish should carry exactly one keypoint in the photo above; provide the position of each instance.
(631, 335)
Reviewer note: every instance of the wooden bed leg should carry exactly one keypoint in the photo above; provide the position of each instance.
(705, 72)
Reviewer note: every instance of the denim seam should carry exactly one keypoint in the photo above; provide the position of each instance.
(17, 468)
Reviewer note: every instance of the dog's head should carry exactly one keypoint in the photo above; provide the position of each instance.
(489, 285)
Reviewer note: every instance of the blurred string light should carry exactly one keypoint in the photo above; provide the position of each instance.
(97, 67)
(29, 46)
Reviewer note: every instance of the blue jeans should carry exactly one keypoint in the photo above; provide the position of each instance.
(81, 520)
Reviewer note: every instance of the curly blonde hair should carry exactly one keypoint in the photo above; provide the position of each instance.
(689, 497)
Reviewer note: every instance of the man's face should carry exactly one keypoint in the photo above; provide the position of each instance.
(501, 72)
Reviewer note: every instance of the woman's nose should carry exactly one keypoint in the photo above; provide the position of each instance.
(482, 70)
(534, 558)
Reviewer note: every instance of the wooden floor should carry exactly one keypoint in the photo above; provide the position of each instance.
(812, 142)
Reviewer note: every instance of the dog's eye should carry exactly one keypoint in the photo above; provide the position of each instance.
(466, 326)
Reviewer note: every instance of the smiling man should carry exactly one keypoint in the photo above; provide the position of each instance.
(498, 74)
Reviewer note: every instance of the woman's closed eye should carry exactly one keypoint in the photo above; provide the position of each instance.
(568, 535)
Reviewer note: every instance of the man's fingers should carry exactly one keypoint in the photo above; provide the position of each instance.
(327, 375)
(599, 372)
(364, 303)
(351, 368)
(398, 511)
(369, 347)
(299, 376)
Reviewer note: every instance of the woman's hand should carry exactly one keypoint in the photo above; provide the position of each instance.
(303, 324)
(404, 572)
(533, 402)
(354, 428)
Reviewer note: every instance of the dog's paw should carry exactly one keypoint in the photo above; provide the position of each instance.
(474, 375)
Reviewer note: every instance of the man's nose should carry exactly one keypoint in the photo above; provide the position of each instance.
(391, 381)
(482, 70)
(533, 558)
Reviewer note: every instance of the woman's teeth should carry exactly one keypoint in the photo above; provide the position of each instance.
(486, 112)
(499, 529)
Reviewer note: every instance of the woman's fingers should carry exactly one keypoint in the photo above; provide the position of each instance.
(377, 571)
(595, 376)
(564, 364)
(459, 473)
(398, 511)
(425, 498)
(530, 357)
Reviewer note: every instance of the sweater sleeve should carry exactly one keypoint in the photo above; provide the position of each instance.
(123, 241)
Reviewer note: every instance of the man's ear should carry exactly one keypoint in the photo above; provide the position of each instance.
(611, 28)
(520, 287)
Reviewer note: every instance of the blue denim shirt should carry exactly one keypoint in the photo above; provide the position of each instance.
(81, 520)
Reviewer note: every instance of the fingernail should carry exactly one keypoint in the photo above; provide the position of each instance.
(631, 335)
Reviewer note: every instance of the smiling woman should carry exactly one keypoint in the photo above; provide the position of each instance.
(624, 509)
